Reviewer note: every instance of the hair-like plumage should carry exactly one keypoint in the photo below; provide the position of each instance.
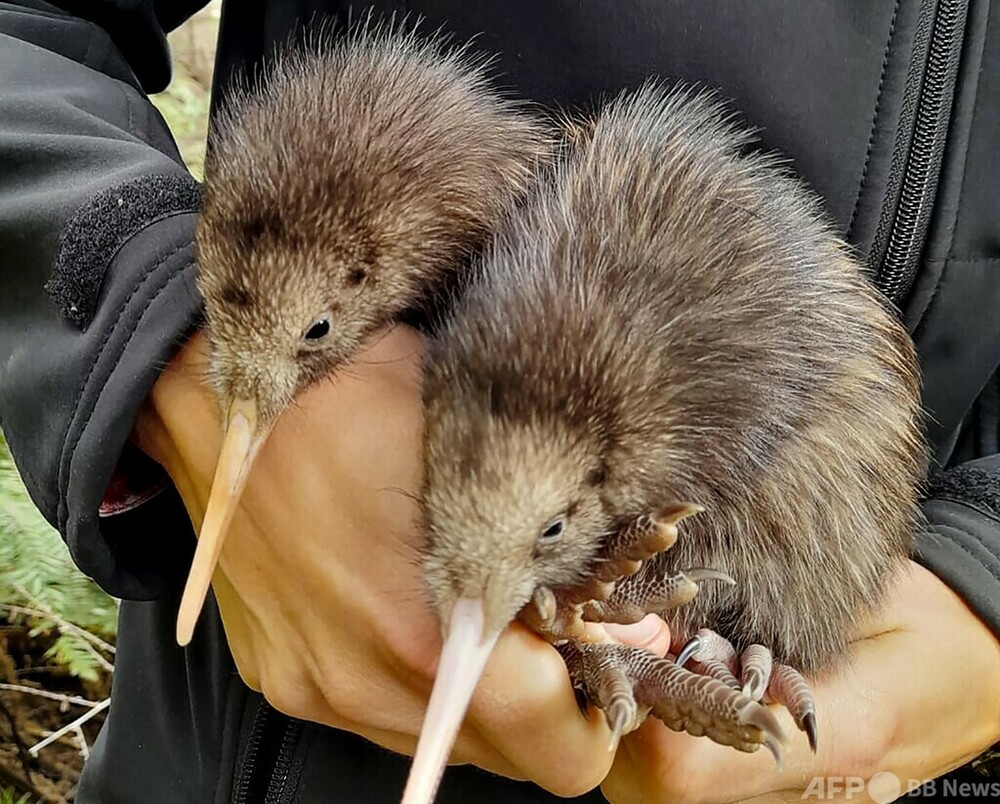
(667, 319)
(355, 177)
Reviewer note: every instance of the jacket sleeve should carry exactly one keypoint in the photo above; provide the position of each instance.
(97, 215)
(961, 543)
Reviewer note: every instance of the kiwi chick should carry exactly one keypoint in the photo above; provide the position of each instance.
(354, 180)
(349, 186)
(667, 320)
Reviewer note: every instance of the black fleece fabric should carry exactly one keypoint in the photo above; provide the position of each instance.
(97, 215)
(96, 232)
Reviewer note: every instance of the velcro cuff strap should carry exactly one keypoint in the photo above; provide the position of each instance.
(969, 485)
(98, 229)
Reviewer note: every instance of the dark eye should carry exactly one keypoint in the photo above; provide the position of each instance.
(319, 329)
(552, 531)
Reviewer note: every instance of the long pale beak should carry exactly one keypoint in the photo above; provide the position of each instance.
(463, 658)
(239, 449)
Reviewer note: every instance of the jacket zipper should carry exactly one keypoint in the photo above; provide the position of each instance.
(265, 772)
(279, 790)
(905, 219)
(241, 789)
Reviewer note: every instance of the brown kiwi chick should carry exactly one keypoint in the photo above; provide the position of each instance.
(348, 187)
(666, 326)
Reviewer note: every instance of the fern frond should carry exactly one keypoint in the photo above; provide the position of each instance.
(37, 572)
(8, 795)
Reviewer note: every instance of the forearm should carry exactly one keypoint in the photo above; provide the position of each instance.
(96, 221)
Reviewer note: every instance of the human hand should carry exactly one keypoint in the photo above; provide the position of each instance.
(920, 697)
(319, 584)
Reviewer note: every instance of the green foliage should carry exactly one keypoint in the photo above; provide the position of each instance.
(184, 105)
(36, 573)
(8, 795)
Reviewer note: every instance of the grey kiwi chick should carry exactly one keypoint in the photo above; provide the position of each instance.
(668, 325)
(348, 186)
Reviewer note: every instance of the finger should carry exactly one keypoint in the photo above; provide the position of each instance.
(873, 717)
(650, 633)
(525, 707)
(857, 712)
(470, 748)
(374, 722)
(350, 696)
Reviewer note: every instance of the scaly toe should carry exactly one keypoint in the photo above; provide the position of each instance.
(756, 666)
(789, 688)
(707, 645)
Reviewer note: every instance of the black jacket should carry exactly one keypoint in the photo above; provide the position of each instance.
(889, 108)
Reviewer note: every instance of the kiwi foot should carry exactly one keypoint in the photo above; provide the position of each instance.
(756, 674)
(613, 592)
(641, 539)
(628, 684)
(634, 597)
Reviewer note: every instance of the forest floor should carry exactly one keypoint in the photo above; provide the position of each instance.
(38, 698)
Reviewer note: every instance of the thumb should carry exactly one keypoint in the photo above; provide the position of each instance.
(650, 633)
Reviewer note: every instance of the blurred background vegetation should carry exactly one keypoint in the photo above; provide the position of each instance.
(57, 628)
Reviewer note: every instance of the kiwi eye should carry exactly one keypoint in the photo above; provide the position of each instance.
(552, 531)
(319, 329)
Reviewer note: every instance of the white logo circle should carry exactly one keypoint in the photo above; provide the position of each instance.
(884, 787)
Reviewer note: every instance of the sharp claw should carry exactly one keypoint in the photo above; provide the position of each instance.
(774, 747)
(688, 651)
(808, 725)
(788, 688)
(619, 714)
(616, 735)
(673, 514)
(582, 704)
(705, 574)
(762, 718)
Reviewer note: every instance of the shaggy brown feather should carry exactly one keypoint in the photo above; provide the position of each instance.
(353, 181)
(669, 319)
